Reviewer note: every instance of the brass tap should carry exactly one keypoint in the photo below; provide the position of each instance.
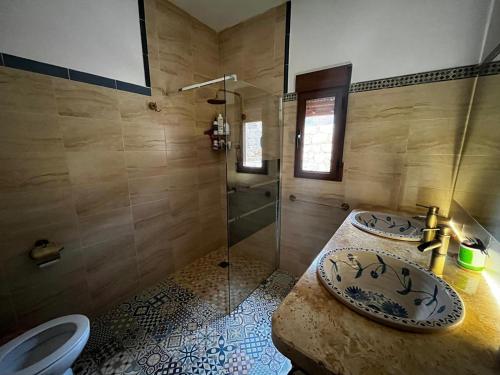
(439, 247)
(431, 222)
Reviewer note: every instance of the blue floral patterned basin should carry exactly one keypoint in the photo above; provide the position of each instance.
(388, 225)
(390, 290)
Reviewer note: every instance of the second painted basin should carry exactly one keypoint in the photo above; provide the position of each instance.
(388, 225)
(390, 290)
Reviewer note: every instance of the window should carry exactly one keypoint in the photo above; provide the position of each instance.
(321, 114)
(251, 158)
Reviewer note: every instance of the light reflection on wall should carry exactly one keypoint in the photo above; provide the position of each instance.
(493, 281)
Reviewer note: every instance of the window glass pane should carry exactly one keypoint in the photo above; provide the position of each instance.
(318, 135)
(252, 148)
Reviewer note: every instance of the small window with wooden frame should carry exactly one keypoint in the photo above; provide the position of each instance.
(321, 118)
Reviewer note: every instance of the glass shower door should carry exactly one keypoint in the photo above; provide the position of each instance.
(253, 181)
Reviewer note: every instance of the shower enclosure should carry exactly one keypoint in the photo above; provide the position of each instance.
(253, 185)
(251, 144)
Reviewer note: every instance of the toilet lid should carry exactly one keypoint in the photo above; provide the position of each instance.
(82, 329)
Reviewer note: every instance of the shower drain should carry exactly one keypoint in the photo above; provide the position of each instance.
(223, 264)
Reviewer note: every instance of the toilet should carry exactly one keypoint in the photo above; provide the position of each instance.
(48, 349)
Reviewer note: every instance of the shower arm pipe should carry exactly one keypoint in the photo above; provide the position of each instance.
(231, 77)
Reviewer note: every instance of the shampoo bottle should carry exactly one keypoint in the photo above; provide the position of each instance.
(220, 124)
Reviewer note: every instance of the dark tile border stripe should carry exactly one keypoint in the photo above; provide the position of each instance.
(34, 66)
(142, 15)
(130, 87)
(287, 45)
(490, 68)
(75, 75)
(22, 63)
(144, 42)
(440, 75)
(494, 53)
(450, 74)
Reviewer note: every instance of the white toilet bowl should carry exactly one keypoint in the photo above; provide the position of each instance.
(49, 349)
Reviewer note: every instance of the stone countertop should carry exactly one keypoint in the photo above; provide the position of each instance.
(323, 336)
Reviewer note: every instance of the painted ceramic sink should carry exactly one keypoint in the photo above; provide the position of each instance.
(388, 225)
(390, 290)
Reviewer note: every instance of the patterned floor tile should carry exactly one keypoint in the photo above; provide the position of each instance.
(153, 359)
(176, 327)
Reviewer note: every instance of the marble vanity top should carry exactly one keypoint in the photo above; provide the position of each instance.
(322, 336)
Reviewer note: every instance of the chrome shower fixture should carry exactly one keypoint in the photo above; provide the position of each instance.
(231, 77)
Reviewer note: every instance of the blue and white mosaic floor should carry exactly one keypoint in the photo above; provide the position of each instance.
(168, 329)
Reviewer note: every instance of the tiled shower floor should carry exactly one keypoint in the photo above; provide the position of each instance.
(172, 329)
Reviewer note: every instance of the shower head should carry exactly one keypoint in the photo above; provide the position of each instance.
(216, 101)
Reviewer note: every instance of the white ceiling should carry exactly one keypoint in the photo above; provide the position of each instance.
(221, 14)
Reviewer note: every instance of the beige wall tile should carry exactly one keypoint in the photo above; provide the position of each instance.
(135, 107)
(411, 195)
(22, 240)
(21, 272)
(108, 262)
(486, 96)
(183, 204)
(8, 320)
(447, 99)
(205, 50)
(182, 176)
(148, 189)
(104, 226)
(27, 92)
(146, 163)
(483, 136)
(104, 255)
(253, 50)
(87, 134)
(151, 225)
(433, 171)
(177, 111)
(30, 170)
(436, 136)
(40, 303)
(91, 199)
(479, 174)
(21, 132)
(306, 227)
(22, 210)
(377, 136)
(86, 167)
(84, 100)
(140, 137)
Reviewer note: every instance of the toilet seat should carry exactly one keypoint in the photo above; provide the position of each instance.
(81, 332)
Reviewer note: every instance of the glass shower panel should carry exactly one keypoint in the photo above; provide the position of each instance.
(252, 163)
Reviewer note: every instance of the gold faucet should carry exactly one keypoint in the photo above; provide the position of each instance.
(431, 222)
(439, 247)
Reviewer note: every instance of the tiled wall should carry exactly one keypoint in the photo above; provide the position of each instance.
(254, 50)
(477, 188)
(132, 194)
(400, 149)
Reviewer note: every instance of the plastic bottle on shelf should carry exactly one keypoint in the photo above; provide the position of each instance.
(220, 124)
(215, 127)
(227, 128)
